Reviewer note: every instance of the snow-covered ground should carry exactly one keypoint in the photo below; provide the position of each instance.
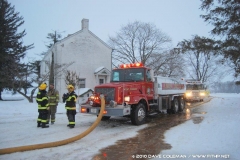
(216, 134)
(18, 127)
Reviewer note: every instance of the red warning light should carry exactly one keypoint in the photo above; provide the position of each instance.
(138, 64)
(104, 154)
(104, 112)
(132, 65)
(83, 110)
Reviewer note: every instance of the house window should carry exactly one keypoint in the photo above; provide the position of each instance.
(82, 83)
(101, 81)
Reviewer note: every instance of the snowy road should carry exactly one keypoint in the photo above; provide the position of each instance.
(210, 129)
(214, 136)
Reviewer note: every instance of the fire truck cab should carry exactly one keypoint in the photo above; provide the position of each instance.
(135, 92)
(195, 90)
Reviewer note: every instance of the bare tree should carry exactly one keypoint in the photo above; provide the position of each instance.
(72, 78)
(54, 38)
(24, 77)
(31, 74)
(225, 87)
(51, 76)
(167, 64)
(58, 70)
(203, 66)
(136, 42)
(201, 57)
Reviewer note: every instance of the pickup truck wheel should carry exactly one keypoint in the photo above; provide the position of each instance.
(138, 114)
(104, 118)
(181, 104)
(175, 106)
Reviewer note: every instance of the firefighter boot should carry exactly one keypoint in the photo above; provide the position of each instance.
(39, 124)
(71, 126)
(44, 125)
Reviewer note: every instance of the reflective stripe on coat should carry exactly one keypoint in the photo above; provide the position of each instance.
(42, 99)
(71, 101)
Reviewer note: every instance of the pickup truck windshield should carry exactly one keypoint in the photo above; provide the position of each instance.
(128, 75)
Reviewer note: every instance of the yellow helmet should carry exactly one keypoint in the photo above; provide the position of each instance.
(43, 86)
(70, 87)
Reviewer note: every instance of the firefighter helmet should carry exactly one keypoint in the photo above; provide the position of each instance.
(43, 86)
(70, 87)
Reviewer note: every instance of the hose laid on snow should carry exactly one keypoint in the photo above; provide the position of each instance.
(57, 143)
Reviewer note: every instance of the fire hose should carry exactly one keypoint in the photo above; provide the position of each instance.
(57, 143)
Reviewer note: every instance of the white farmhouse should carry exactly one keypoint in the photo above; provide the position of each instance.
(88, 55)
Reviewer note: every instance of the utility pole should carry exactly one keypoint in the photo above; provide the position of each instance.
(51, 76)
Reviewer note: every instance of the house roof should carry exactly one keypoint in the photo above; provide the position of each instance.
(72, 35)
(82, 91)
(100, 69)
(78, 32)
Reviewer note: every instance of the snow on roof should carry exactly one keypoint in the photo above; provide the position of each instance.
(82, 91)
(99, 69)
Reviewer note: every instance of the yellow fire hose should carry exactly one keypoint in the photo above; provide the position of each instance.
(57, 143)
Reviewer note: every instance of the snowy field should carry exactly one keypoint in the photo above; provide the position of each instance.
(216, 134)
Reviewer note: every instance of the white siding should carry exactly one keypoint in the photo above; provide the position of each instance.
(87, 52)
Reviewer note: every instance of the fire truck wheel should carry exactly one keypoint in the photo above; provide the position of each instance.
(175, 106)
(138, 114)
(104, 118)
(169, 111)
(181, 104)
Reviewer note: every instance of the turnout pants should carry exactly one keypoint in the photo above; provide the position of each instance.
(71, 117)
(51, 113)
(42, 116)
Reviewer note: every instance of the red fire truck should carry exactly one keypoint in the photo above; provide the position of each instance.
(135, 92)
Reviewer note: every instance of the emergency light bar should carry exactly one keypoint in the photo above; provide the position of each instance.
(194, 82)
(131, 65)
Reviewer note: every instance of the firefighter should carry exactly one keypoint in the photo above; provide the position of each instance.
(71, 106)
(53, 98)
(64, 97)
(42, 101)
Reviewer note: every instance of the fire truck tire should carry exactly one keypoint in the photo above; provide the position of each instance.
(104, 118)
(169, 111)
(175, 106)
(138, 114)
(181, 103)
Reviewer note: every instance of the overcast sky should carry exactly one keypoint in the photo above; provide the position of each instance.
(180, 19)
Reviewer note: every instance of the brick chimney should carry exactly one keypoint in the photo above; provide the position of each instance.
(85, 24)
